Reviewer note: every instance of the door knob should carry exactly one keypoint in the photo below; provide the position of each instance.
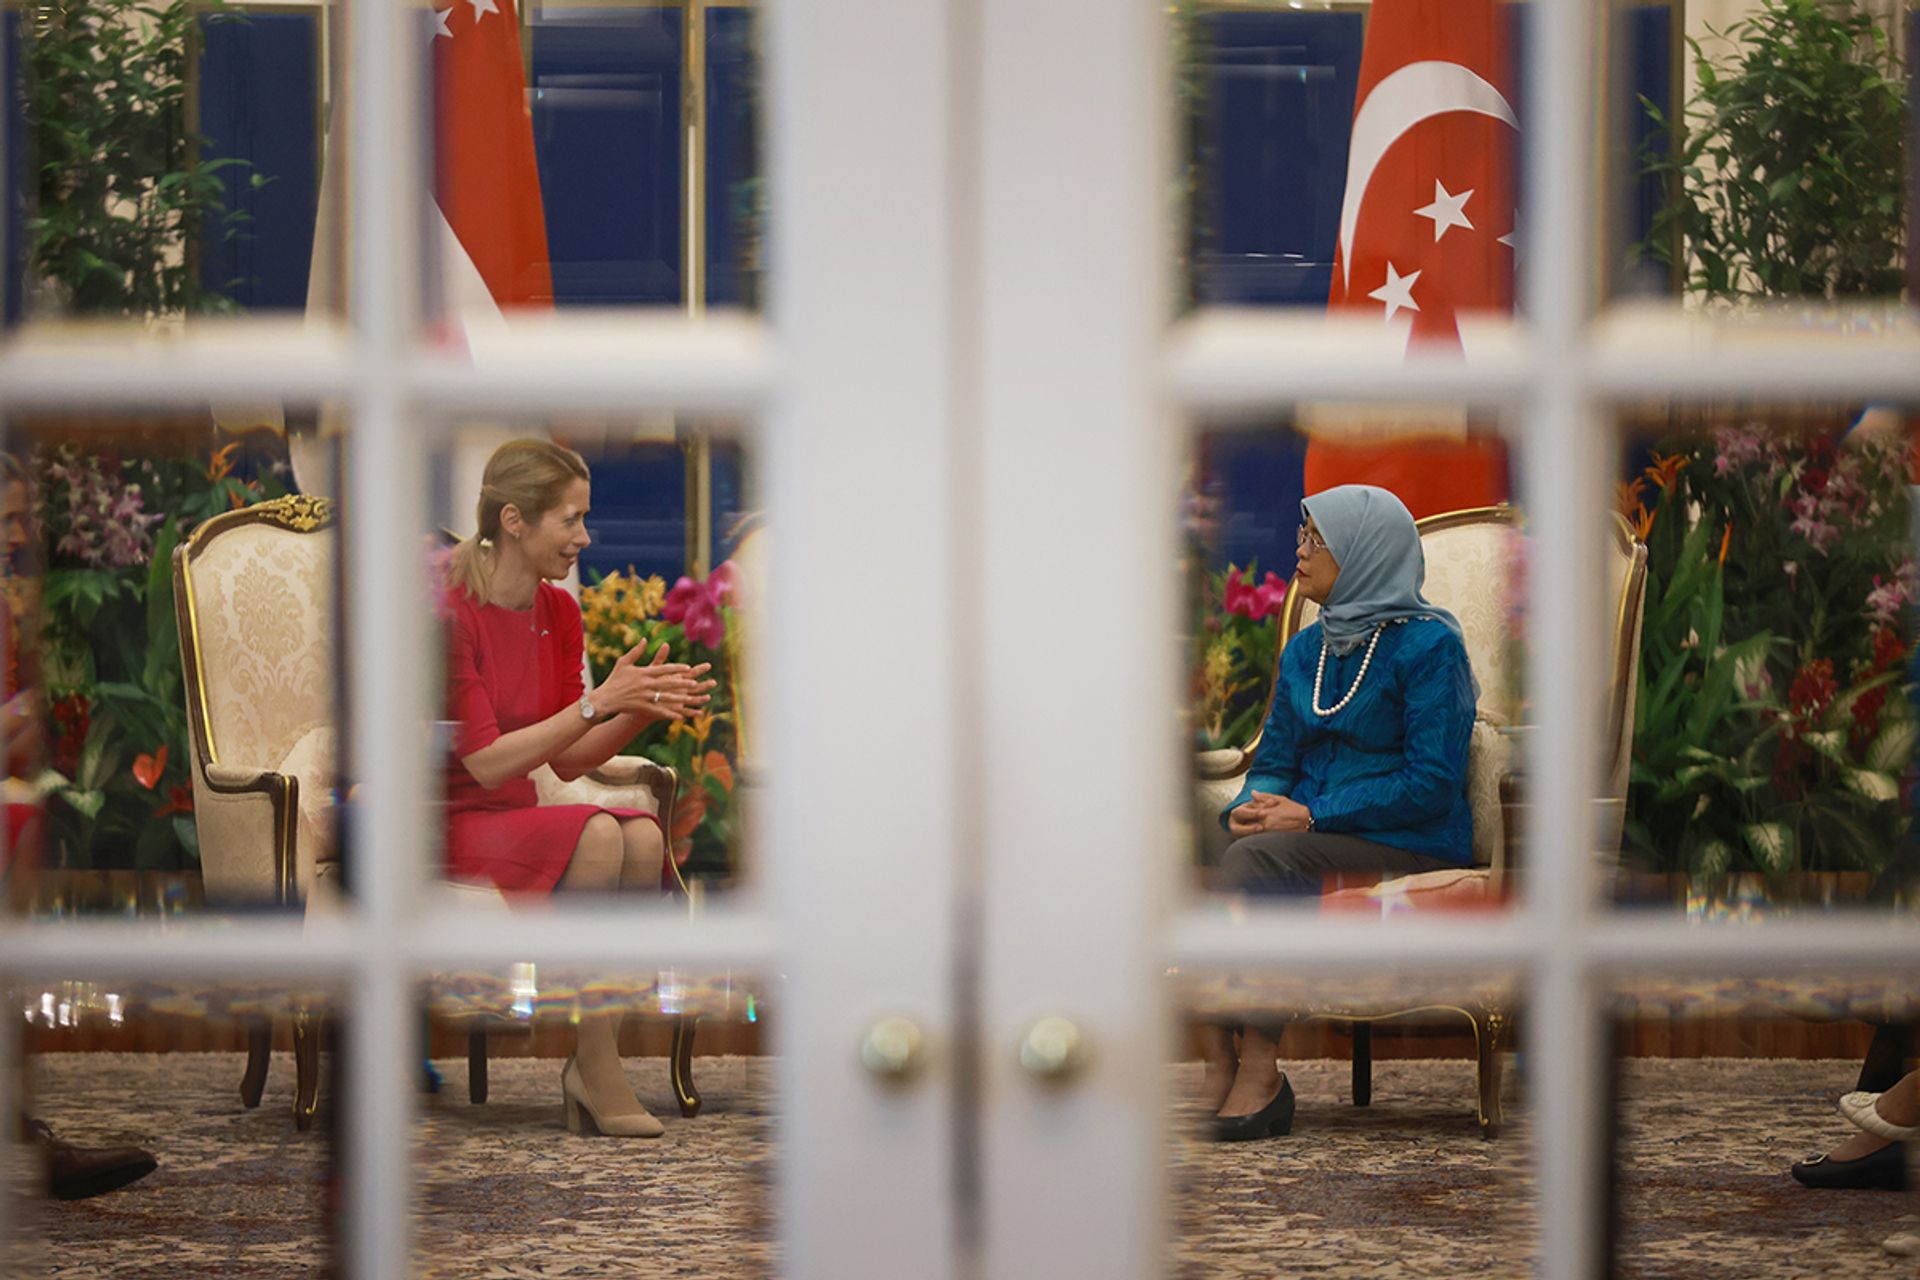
(893, 1049)
(1054, 1050)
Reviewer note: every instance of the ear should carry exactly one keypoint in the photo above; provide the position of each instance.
(512, 523)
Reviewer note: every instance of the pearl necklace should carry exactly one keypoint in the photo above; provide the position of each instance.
(1320, 672)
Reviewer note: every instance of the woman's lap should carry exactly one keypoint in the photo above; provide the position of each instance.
(1300, 863)
(525, 850)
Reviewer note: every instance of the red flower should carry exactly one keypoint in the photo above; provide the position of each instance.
(1813, 688)
(71, 723)
(1889, 650)
(1815, 480)
(179, 800)
(147, 769)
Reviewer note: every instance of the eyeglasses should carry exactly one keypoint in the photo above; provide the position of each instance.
(1308, 541)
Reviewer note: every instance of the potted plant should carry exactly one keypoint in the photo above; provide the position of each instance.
(1786, 171)
(124, 198)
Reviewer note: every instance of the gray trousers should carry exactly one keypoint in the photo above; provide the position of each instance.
(1299, 863)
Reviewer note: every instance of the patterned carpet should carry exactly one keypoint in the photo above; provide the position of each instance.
(1402, 1188)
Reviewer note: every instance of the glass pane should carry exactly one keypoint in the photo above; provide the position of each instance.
(639, 1109)
(1409, 538)
(1300, 187)
(171, 590)
(1402, 1114)
(166, 160)
(186, 1127)
(640, 556)
(1756, 154)
(1725, 1092)
(624, 170)
(1774, 722)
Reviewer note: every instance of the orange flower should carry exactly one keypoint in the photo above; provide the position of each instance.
(715, 764)
(1630, 495)
(148, 768)
(1642, 522)
(222, 463)
(1726, 540)
(1665, 470)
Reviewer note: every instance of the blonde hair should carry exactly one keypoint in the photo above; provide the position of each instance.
(532, 475)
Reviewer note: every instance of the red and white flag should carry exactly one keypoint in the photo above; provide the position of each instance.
(1426, 227)
(1427, 217)
(486, 181)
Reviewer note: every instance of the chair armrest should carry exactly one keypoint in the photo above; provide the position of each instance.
(245, 819)
(1513, 810)
(1221, 764)
(637, 771)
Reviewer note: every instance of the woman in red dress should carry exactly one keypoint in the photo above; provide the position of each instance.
(516, 692)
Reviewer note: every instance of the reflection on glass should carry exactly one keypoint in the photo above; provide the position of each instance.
(170, 656)
(1725, 1097)
(1720, 197)
(594, 719)
(523, 1031)
(1354, 720)
(133, 1112)
(1775, 724)
(1382, 1164)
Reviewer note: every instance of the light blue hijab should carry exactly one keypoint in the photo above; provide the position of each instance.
(1372, 537)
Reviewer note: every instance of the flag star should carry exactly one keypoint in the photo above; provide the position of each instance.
(481, 8)
(1512, 236)
(440, 27)
(1397, 292)
(1446, 210)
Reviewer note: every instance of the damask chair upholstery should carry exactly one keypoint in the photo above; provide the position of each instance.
(253, 591)
(1471, 566)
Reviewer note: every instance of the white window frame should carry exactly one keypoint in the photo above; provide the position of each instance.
(970, 409)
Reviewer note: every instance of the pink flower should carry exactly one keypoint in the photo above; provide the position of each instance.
(1887, 599)
(694, 606)
(1237, 595)
(724, 581)
(1269, 596)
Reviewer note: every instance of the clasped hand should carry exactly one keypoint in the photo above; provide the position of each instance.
(658, 689)
(1265, 812)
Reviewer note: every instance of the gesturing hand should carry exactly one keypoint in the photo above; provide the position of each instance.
(658, 690)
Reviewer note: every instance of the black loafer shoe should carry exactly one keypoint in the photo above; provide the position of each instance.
(1882, 1170)
(1271, 1121)
(77, 1173)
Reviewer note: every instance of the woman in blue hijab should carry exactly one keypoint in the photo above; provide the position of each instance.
(1362, 765)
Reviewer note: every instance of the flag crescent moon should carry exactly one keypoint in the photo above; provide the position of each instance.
(1416, 92)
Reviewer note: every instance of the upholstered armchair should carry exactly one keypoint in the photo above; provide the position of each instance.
(253, 591)
(1470, 564)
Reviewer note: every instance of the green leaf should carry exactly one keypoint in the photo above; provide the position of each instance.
(1772, 845)
(87, 803)
(1892, 751)
(1873, 784)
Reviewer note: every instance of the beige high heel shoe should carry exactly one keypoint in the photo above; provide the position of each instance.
(583, 1117)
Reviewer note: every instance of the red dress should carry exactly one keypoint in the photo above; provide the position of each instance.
(507, 669)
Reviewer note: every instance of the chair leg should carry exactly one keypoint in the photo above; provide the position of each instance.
(259, 1052)
(477, 1067)
(1487, 1029)
(681, 1067)
(1362, 1064)
(306, 1065)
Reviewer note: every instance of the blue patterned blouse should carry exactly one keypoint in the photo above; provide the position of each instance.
(1391, 765)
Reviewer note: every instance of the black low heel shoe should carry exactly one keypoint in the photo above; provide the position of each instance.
(1271, 1121)
(1882, 1170)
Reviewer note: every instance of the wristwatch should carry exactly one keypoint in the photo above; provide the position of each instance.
(587, 712)
(1309, 819)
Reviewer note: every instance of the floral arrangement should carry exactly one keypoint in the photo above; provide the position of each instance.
(1774, 726)
(1235, 645)
(697, 621)
(108, 647)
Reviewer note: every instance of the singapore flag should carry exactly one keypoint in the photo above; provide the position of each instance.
(1426, 234)
(1427, 218)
